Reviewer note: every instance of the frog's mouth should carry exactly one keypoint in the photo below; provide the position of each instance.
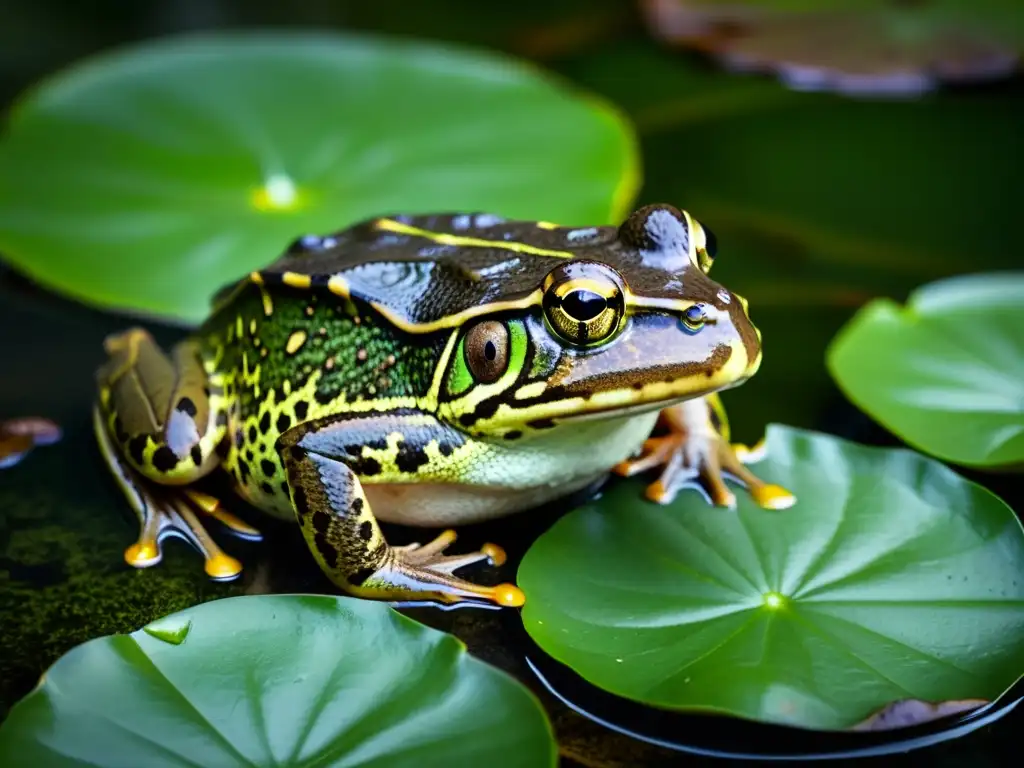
(624, 412)
(643, 405)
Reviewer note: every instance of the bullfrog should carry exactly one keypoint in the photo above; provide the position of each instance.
(433, 371)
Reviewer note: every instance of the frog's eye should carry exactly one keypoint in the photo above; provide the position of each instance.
(486, 351)
(583, 302)
(694, 318)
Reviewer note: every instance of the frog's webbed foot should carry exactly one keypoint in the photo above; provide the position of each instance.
(693, 452)
(427, 564)
(165, 511)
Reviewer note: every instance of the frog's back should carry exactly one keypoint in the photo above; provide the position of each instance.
(424, 273)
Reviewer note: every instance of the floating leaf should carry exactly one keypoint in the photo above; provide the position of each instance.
(149, 177)
(857, 48)
(819, 204)
(891, 578)
(19, 436)
(946, 371)
(277, 680)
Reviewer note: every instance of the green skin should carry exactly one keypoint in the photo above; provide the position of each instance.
(433, 371)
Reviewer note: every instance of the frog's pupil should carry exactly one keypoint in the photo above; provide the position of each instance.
(694, 314)
(583, 305)
(490, 351)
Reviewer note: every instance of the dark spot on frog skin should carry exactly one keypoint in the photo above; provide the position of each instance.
(377, 444)
(324, 396)
(302, 504)
(249, 456)
(319, 521)
(243, 470)
(319, 281)
(137, 448)
(357, 507)
(267, 488)
(283, 422)
(541, 424)
(301, 409)
(365, 467)
(445, 449)
(239, 438)
(284, 487)
(253, 434)
(515, 434)
(223, 448)
(197, 455)
(268, 467)
(164, 459)
(186, 406)
(328, 552)
(410, 458)
(265, 422)
(365, 530)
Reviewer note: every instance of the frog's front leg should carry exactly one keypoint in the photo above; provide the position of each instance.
(696, 449)
(322, 459)
(159, 428)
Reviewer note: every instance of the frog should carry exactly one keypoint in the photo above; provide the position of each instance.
(434, 371)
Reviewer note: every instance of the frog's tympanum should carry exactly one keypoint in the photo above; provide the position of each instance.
(434, 371)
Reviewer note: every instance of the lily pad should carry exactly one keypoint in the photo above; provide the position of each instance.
(277, 680)
(146, 178)
(945, 372)
(892, 578)
(863, 48)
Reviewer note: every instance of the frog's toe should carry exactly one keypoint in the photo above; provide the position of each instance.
(163, 515)
(751, 454)
(416, 570)
(655, 452)
(766, 495)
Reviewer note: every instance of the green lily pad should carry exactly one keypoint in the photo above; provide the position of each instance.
(819, 204)
(146, 178)
(946, 371)
(293, 680)
(891, 578)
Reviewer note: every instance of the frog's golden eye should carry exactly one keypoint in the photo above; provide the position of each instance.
(486, 351)
(583, 302)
